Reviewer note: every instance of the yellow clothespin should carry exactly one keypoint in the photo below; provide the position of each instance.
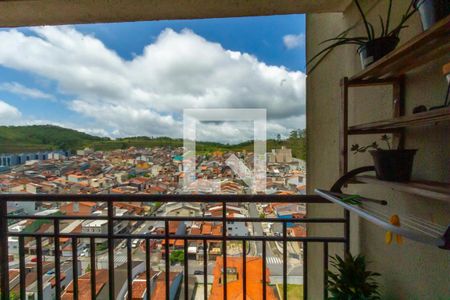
(394, 220)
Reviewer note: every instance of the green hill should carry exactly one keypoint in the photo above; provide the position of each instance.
(42, 137)
(49, 137)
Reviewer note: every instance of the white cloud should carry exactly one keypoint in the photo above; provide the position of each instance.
(146, 95)
(8, 113)
(285, 126)
(17, 88)
(292, 41)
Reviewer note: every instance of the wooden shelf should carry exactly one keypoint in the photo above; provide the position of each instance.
(427, 46)
(411, 227)
(421, 119)
(429, 189)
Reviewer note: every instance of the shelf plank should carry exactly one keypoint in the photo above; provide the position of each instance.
(411, 227)
(429, 189)
(425, 47)
(421, 119)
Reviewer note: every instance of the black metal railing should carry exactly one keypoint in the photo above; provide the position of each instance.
(166, 236)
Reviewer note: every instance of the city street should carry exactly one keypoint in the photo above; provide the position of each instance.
(274, 260)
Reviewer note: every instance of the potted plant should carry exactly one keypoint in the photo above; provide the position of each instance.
(372, 47)
(390, 164)
(352, 280)
(431, 11)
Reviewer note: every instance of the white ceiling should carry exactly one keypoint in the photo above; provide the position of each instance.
(52, 12)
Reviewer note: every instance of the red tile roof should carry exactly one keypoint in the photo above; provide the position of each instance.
(159, 291)
(84, 285)
(234, 288)
(13, 273)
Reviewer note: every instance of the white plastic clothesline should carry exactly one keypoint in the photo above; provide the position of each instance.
(411, 227)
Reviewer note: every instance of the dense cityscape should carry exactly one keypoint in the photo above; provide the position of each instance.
(156, 171)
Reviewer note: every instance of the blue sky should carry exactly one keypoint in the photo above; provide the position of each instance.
(99, 79)
(260, 36)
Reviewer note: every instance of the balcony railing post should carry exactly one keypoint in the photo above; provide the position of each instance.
(129, 270)
(305, 270)
(205, 269)
(284, 261)
(325, 270)
(93, 268)
(57, 260)
(111, 243)
(264, 273)
(22, 268)
(244, 269)
(186, 269)
(347, 231)
(148, 269)
(39, 271)
(4, 270)
(75, 268)
(167, 258)
(224, 247)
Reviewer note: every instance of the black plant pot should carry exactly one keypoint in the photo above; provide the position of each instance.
(376, 49)
(393, 165)
(431, 11)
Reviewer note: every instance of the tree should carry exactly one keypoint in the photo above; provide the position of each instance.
(88, 269)
(278, 138)
(301, 133)
(12, 296)
(293, 135)
(297, 142)
(177, 256)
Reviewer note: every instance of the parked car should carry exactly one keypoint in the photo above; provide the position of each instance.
(198, 272)
(50, 272)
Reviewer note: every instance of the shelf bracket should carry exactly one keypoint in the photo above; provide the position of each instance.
(337, 186)
(446, 238)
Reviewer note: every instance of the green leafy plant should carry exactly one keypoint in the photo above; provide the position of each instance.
(370, 35)
(356, 148)
(12, 296)
(352, 281)
(177, 256)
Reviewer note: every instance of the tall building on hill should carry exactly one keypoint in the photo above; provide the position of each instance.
(283, 155)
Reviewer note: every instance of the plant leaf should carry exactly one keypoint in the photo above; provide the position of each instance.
(361, 39)
(388, 20)
(328, 50)
(383, 33)
(364, 19)
(372, 30)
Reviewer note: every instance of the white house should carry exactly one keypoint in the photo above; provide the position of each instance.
(235, 228)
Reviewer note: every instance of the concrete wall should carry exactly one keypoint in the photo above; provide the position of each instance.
(55, 12)
(413, 270)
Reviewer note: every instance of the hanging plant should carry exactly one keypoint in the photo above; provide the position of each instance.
(372, 46)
